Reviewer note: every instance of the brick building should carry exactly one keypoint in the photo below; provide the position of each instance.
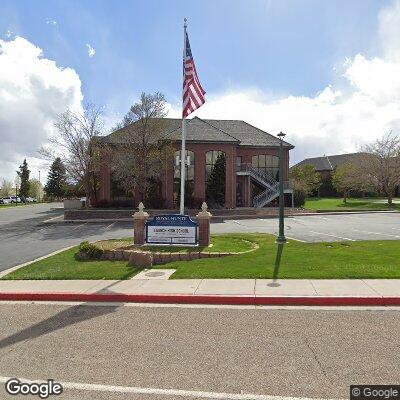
(326, 165)
(249, 156)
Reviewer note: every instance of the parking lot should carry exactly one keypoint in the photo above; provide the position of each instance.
(24, 237)
(323, 228)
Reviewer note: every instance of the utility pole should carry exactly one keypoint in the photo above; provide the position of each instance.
(40, 184)
(281, 237)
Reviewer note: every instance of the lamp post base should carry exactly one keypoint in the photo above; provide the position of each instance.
(281, 240)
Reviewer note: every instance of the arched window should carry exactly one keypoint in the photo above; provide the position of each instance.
(215, 177)
(189, 177)
(267, 165)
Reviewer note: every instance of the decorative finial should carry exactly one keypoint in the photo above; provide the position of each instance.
(140, 213)
(185, 22)
(204, 213)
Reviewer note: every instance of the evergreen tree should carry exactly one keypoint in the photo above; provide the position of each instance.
(23, 174)
(216, 182)
(56, 180)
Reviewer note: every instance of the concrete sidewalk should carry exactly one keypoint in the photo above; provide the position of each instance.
(210, 291)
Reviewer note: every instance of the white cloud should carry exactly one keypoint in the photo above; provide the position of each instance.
(91, 50)
(33, 91)
(335, 120)
(8, 34)
(51, 22)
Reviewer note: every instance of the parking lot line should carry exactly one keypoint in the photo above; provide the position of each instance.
(377, 233)
(335, 236)
(79, 226)
(109, 226)
(297, 240)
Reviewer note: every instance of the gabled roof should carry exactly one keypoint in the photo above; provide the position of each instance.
(247, 134)
(329, 163)
(206, 130)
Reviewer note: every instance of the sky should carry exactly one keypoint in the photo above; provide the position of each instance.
(325, 73)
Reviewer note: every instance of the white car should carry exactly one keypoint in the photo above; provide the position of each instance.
(7, 200)
(30, 200)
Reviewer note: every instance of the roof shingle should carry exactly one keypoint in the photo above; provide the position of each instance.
(209, 130)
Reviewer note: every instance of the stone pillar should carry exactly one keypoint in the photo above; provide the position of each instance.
(204, 219)
(139, 223)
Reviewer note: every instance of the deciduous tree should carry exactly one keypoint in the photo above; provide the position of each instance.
(76, 145)
(141, 154)
(305, 178)
(35, 189)
(345, 178)
(6, 188)
(380, 167)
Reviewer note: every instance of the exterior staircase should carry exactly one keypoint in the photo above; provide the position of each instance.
(265, 180)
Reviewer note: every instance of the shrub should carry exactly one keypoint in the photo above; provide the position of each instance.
(88, 251)
(299, 198)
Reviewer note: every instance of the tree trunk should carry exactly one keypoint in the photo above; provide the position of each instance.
(345, 197)
(390, 199)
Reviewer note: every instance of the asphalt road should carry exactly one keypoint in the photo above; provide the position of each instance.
(23, 237)
(280, 352)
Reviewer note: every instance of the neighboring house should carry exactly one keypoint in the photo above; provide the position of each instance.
(251, 163)
(325, 165)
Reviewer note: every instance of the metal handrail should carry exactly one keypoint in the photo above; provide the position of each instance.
(266, 196)
(266, 176)
(269, 194)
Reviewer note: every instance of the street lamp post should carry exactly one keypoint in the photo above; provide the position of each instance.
(281, 237)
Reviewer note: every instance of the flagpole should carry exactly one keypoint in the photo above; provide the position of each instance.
(183, 148)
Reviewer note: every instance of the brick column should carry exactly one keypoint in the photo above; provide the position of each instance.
(230, 179)
(139, 223)
(200, 175)
(204, 218)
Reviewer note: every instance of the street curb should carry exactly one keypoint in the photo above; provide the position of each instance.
(205, 299)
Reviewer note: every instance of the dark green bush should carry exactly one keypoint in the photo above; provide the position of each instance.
(299, 198)
(89, 251)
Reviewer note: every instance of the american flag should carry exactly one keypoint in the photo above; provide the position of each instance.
(193, 93)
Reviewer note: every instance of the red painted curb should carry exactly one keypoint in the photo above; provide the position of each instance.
(204, 299)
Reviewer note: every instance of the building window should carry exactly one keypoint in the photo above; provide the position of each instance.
(238, 163)
(211, 159)
(215, 177)
(189, 178)
(266, 165)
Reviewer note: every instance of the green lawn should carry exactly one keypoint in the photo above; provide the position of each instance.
(64, 266)
(335, 204)
(364, 259)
